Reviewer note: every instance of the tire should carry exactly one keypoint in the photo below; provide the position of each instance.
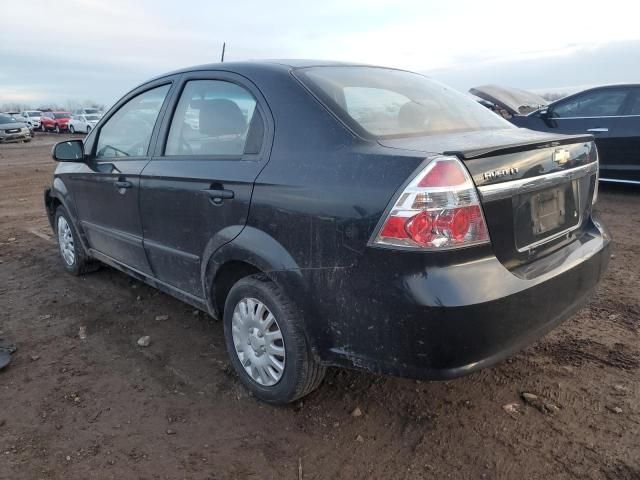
(75, 261)
(72, 129)
(301, 373)
(57, 129)
(88, 129)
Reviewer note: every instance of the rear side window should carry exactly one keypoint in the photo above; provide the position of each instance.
(214, 117)
(599, 103)
(128, 132)
(383, 102)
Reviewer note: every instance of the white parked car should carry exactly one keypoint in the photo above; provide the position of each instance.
(83, 123)
(89, 111)
(32, 117)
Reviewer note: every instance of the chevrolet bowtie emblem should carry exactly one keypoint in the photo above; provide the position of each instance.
(561, 156)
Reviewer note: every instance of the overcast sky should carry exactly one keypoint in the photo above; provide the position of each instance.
(55, 51)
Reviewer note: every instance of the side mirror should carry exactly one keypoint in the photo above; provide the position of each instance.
(69, 151)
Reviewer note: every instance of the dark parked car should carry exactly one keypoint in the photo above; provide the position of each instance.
(334, 214)
(610, 113)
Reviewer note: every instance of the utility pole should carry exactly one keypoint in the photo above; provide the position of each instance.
(224, 44)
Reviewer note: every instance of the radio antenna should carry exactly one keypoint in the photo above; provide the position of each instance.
(224, 44)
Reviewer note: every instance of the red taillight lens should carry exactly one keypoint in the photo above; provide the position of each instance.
(420, 228)
(443, 173)
(439, 209)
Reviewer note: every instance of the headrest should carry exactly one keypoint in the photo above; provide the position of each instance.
(412, 115)
(221, 116)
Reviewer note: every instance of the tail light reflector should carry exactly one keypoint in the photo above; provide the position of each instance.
(438, 210)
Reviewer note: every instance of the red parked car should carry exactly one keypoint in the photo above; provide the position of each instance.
(55, 121)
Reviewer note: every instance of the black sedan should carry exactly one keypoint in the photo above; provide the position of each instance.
(610, 113)
(335, 214)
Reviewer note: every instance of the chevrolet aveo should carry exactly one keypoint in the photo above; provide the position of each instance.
(335, 215)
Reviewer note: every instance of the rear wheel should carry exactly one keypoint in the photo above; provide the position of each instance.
(57, 129)
(74, 257)
(266, 342)
(88, 129)
(72, 129)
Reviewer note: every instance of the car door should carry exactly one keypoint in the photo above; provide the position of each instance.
(596, 112)
(45, 120)
(625, 165)
(196, 190)
(106, 186)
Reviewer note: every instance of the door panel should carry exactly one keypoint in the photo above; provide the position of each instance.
(106, 187)
(180, 216)
(626, 163)
(196, 197)
(109, 214)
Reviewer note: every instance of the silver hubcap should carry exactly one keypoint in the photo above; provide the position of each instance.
(258, 341)
(65, 240)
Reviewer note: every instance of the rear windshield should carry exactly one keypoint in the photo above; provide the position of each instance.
(386, 103)
(91, 118)
(62, 115)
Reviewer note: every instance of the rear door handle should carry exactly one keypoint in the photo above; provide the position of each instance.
(123, 184)
(217, 196)
(595, 130)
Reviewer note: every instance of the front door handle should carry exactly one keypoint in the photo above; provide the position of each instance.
(123, 184)
(218, 196)
(596, 130)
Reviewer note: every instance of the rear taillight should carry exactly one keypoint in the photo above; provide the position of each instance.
(438, 210)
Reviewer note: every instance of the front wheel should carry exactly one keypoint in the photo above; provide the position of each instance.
(72, 129)
(74, 257)
(57, 129)
(266, 342)
(88, 129)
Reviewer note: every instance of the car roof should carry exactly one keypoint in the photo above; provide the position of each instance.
(256, 66)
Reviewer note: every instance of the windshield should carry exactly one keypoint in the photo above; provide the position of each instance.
(61, 115)
(92, 118)
(91, 110)
(34, 113)
(392, 103)
(7, 119)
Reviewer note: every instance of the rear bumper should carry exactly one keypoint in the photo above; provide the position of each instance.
(448, 321)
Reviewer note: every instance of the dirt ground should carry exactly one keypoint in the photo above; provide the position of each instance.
(102, 407)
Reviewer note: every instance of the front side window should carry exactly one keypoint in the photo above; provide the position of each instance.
(384, 102)
(128, 132)
(600, 103)
(213, 117)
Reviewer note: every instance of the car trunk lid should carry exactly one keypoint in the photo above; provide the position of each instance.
(536, 189)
